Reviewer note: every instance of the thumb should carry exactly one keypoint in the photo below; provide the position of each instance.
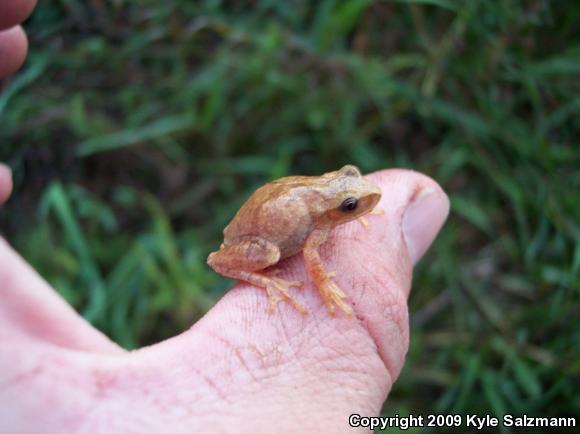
(275, 363)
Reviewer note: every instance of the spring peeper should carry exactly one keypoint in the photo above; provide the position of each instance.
(287, 216)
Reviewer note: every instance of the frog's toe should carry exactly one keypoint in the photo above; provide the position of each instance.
(273, 299)
(375, 212)
(295, 284)
(288, 283)
(278, 291)
(333, 297)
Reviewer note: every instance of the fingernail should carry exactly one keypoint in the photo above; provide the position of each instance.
(422, 220)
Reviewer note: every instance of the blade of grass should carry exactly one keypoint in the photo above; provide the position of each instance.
(56, 199)
(133, 136)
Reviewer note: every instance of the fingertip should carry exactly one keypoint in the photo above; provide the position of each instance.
(5, 182)
(14, 12)
(418, 206)
(13, 49)
(423, 220)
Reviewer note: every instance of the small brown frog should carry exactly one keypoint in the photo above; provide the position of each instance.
(291, 215)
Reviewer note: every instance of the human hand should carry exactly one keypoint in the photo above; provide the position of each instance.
(238, 369)
(13, 42)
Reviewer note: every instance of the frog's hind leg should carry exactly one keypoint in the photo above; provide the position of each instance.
(246, 261)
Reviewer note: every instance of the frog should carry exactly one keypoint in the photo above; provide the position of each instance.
(288, 216)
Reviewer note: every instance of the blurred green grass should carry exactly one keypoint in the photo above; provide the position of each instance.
(136, 129)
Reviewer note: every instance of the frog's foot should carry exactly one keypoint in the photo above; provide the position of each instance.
(375, 211)
(333, 296)
(277, 290)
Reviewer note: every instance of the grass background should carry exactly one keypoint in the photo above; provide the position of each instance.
(137, 128)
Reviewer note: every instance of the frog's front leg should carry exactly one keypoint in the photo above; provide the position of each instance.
(246, 261)
(329, 291)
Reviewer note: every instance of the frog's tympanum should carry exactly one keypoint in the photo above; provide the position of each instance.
(287, 216)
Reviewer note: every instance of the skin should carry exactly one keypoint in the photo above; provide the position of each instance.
(238, 369)
(13, 41)
(291, 215)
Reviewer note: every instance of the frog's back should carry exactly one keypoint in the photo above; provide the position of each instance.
(276, 212)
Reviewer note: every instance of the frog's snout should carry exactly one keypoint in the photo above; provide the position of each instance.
(375, 190)
(374, 194)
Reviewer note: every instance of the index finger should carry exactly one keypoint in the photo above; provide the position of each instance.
(13, 12)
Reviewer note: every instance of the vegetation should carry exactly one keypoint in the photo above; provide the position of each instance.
(136, 130)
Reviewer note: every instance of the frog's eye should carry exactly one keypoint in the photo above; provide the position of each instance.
(349, 204)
